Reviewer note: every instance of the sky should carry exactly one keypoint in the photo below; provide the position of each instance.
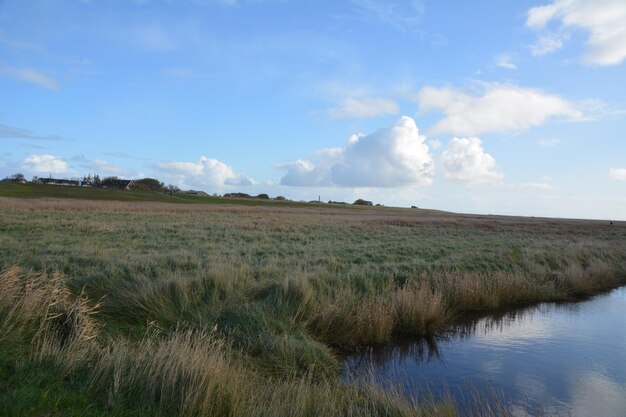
(478, 107)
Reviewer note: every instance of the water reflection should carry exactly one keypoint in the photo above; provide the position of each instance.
(594, 392)
(420, 350)
(569, 358)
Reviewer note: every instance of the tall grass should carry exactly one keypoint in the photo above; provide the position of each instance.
(183, 373)
(226, 310)
(39, 310)
(421, 310)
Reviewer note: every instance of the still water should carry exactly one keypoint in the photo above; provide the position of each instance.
(565, 358)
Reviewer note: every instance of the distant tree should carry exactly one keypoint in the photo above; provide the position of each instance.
(88, 180)
(237, 195)
(97, 182)
(149, 184)
(172, 189)
(35, 178)
(263, 196)
(106, 181)
(18, 177)
(361, 202)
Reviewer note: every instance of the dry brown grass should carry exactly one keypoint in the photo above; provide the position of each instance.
(188, 371)
(473, 291)
(420, 310)
(38, 310)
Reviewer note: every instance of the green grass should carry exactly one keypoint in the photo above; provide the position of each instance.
(8, 189)
(132, 304)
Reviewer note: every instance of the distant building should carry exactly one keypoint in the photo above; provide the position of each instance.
(198, 193)
(117, 183)
(58, 181)
(15, 180)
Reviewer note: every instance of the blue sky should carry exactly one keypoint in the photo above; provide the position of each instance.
(485, 107)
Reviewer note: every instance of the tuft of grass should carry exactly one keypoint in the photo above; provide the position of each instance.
(39, 310)
(473, 291)
(347, 319)
(184, 374)
(420, 310)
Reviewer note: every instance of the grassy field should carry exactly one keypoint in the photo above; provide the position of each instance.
(30, 190)
(149, 308)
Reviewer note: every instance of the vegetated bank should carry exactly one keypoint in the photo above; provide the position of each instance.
(119, 308)
(38, 191)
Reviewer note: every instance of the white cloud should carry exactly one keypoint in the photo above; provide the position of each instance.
(32, 76)
(465, 160)
(204, 172)
(546, 45)
(604, 20)
(505, 61)
(539, 16)
(501, 108)
(549, 142)
(105, 168)
(305, 174)
(46, 164)
(390, 157)
(351, 108)
(618, 174)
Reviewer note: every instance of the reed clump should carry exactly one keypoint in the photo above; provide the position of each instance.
(479, 291)
(578, 280)
(347, 319)
(184, 374)
(39, 311)
(191, 374)
(420, 310)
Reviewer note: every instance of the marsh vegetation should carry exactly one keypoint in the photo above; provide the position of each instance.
(126, 308)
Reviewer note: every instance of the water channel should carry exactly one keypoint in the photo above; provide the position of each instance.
(568, 358)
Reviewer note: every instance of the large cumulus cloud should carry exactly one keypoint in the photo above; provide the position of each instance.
(466, 161)
(46, 164)
(204, 172)
(396, 156)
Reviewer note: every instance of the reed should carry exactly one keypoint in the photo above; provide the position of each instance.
(420, 310)
(38, 310)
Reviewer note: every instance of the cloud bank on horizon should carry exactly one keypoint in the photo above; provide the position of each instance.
(522, 112)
